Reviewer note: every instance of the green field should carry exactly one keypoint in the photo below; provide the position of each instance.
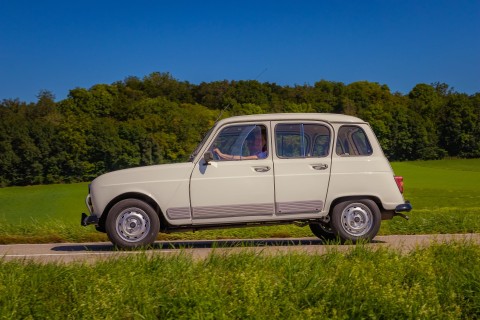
(445, 195)
(437, 282)
(63, 202)
(442, 183)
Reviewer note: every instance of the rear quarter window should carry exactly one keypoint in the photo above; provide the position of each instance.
(352, 141)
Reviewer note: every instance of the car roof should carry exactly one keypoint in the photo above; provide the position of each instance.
(327, 117)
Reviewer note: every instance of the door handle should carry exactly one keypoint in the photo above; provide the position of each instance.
(321, 166)
(261, 169)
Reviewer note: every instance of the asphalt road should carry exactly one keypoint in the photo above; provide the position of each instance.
(91, 252)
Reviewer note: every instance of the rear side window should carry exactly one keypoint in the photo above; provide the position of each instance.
(299, 140)
(352, 141)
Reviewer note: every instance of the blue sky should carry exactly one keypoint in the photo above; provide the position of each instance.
(60, 45)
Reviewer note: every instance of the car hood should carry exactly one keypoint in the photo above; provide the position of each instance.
(147, 174)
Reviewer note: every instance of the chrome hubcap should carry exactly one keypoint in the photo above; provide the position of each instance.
(357, 219)
(133, 224)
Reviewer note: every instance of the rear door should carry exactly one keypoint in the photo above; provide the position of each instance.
(302, 163)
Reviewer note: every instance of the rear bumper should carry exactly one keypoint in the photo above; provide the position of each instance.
(404, 207)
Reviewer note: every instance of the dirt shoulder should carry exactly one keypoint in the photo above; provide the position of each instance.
(91, 252)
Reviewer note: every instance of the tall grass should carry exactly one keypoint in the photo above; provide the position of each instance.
(440, 282)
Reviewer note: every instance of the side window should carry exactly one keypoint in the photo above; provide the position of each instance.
(352, 141)
(300, 140)
(290, 141)
(242, 142)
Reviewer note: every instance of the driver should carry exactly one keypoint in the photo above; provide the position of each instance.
(257, 146)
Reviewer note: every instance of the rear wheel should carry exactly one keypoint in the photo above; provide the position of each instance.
(323, 231)
(356, 220)
(132, 223)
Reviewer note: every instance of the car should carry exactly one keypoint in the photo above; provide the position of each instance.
(323, 170)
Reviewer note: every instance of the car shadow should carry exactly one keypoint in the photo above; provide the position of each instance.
(201, 244)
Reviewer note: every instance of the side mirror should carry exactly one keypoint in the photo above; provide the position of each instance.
(207, 157)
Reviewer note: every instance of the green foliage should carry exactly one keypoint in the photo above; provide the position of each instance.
(159, 119)
(459, 127)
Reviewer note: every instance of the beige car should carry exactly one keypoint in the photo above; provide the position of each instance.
(323, 170)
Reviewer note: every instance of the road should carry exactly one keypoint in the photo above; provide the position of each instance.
(91, 252)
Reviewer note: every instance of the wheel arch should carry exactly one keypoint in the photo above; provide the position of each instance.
(131, 195)
(357, 197)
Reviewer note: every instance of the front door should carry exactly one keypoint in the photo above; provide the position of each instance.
(238, 184)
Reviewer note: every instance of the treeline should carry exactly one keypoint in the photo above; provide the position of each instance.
(159, 119)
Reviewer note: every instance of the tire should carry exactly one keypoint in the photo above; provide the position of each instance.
(356, 220)
(323, 231)
(132, 224)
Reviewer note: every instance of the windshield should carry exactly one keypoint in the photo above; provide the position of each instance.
(200, 145)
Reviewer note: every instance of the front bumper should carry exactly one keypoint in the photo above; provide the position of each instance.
(89, 219)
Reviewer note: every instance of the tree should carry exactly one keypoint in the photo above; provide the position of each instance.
(459, 127)
(159, 119)
(159, 84)
(426, 101)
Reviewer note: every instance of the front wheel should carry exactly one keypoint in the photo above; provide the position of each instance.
(356, 220)
(132, 224)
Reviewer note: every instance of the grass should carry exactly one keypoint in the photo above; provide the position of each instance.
(61, 202)
(45, 213)
(453, 183)
(439, 282)
(445, 196)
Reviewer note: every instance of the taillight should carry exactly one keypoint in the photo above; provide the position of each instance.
(399, 181)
